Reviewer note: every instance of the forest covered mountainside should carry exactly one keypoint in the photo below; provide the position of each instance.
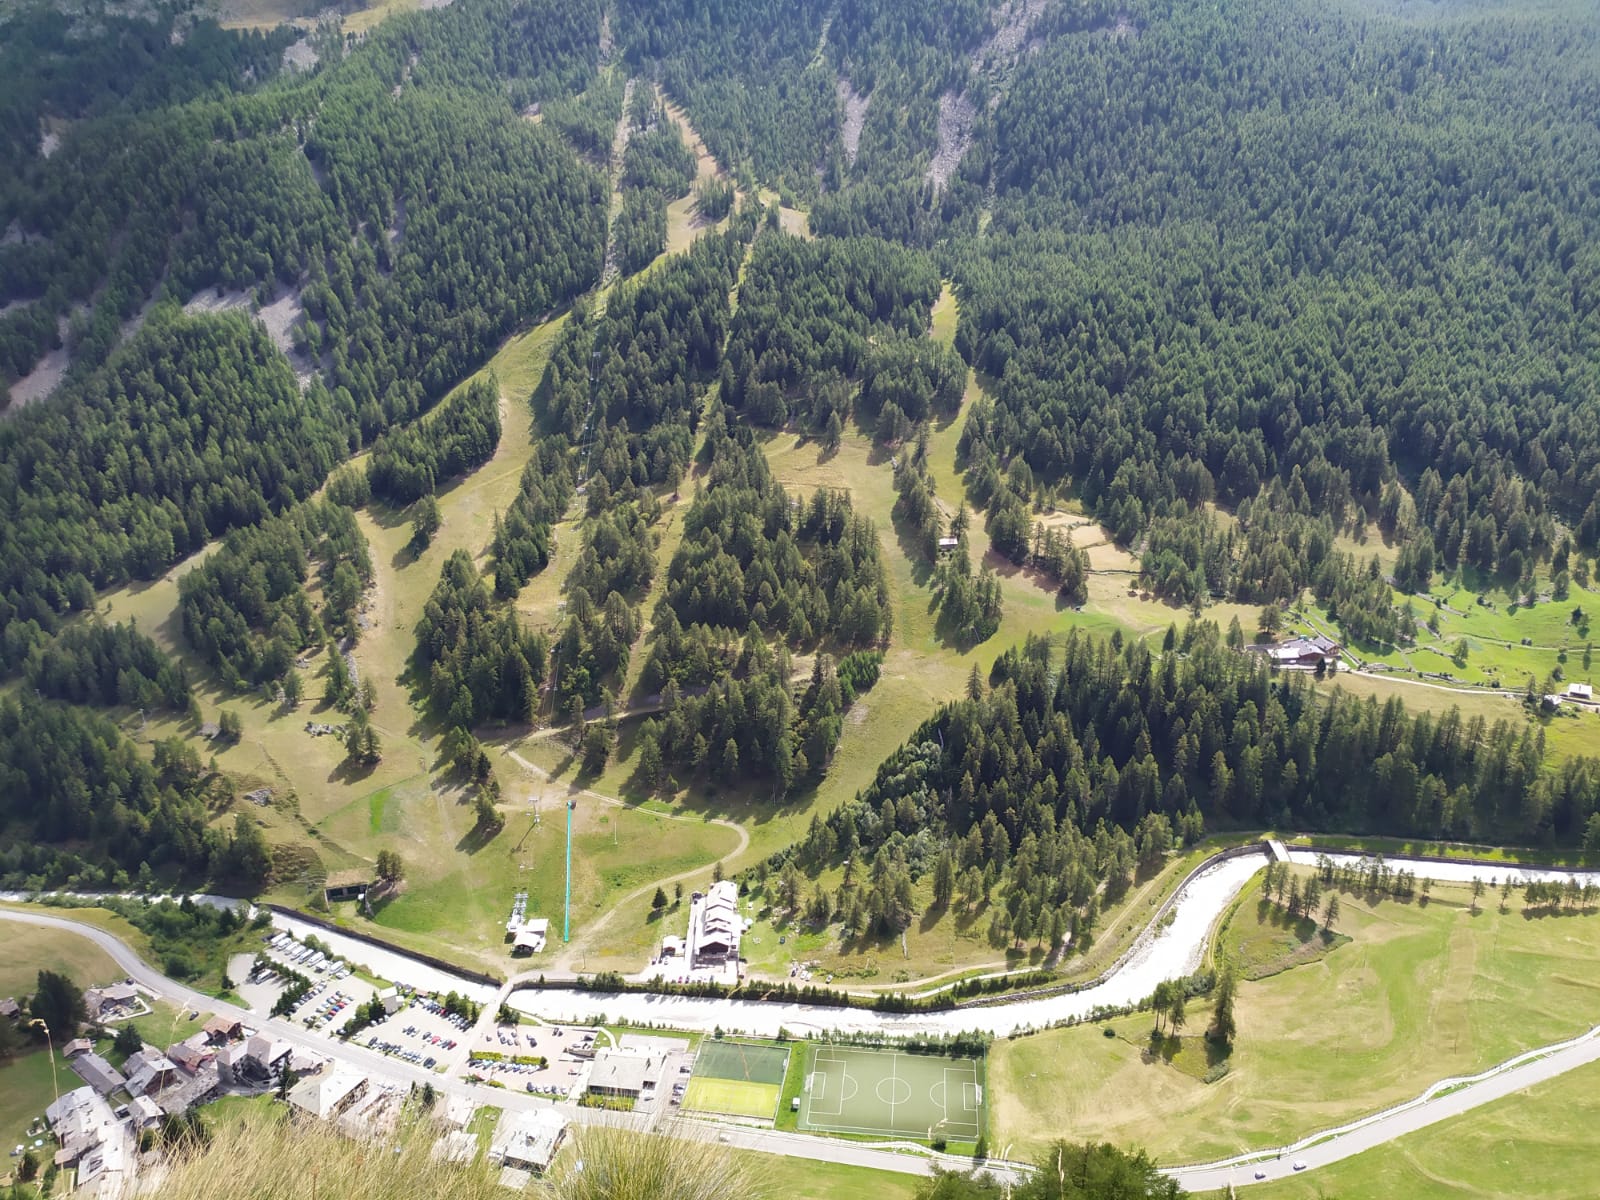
(1288, 312)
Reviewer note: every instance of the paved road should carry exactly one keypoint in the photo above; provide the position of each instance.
(1507, 1079)
(383, 1069)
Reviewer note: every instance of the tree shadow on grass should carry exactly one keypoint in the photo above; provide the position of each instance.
(351, 771)
(385, 515)
(911, 546)
(478, 837)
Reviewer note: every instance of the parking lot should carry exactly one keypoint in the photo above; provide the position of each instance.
(566, 1049)
(335, 990)
(419, 1032)
(296, 956)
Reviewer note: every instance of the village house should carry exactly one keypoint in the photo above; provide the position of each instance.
(1301, 653)
(192, 1054)
(622, 1075)
(263, 1059)
(148, 1070)
(327, 1097)
(527, 1141)
(190, 1091)
(107, 1002)
(98, 1073)
(92, 1140)
(219, 1031)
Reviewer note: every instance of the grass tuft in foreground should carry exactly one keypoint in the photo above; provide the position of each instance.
(261, 1158)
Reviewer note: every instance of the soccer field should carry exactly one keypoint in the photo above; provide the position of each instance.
(890, 1093)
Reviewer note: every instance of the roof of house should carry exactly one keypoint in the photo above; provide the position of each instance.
(98, 1073)
(109, 1156)
(350, 878)
(529, 939)
(76, 1104)
(145, 1109)
(528, 1137)
(189, 1057)
(9, 1007)
(716, 921)
(456, 1146)
(266, 1049)
(1300, 647)
(1582, 690)
(151, 1075)
(146, 1056)
(76, 1047)
(322, 1096)
(619, 1072)
(224, 1027)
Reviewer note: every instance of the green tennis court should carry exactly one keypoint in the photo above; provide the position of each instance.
(740, 1060)
(851, 1089)
(737, 1079)
(733, 1098)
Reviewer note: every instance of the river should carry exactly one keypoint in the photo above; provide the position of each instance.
(1173, 950)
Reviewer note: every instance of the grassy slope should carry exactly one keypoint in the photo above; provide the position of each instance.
(268, 14)
(457, 892)
(1420, 993)
(798, 1179)
(26, 1089)
(1536, 1145)
(29, 950)
(1494, 632)
(26, 1086)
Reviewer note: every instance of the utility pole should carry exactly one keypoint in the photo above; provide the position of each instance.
(566, 913)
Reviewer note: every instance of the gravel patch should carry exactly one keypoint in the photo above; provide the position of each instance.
(209, 300)
(956, 116)
(1002, 49)
(46, 374)
(280, 317)
(301, 56)
(855, 118)
(41, 381)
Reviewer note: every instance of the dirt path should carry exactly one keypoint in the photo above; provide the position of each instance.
(706, 164)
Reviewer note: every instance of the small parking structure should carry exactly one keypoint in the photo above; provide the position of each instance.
(889, 1093)
(737, 1079)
